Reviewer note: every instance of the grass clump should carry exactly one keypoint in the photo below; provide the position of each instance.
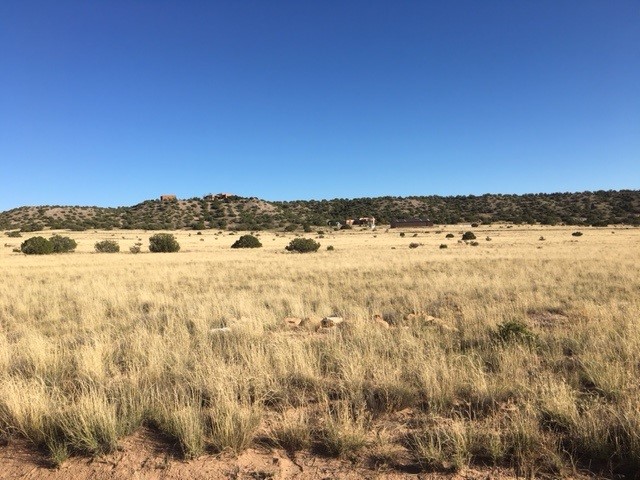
(231, 425)
(293, 431)
(342, 432)
(441, 446)
(184, 425)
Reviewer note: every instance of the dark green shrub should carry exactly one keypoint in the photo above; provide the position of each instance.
(402, 234)
(303, 245)
(135, 249)
(36, 246)
(62, 244)
(290, 228)
(515, 331)
(31, 227)
(107, 246)
(247, 241)
(577, 234)
(474, 225)
(474, 244)
(163, 242)
(449, 235)
(14, 234)
(414, 245)
(443, 245)
(330, 248)
(346, 227)
(468, 236)
(307, 228)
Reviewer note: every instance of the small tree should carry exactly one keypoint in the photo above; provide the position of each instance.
(247, 241)
(107, 246)
(62, 244)
(468, 236)
(36, 246)
(163, 242)
(302, 245)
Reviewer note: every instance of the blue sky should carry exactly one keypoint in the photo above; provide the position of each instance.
(113, 102)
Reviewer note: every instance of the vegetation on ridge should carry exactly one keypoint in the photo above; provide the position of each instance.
(598, 208)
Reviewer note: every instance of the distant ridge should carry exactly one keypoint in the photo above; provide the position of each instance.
(599, 208)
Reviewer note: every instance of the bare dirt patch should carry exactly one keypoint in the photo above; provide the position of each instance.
(145, 455)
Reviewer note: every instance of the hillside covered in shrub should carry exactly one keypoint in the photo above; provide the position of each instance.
(598, 208)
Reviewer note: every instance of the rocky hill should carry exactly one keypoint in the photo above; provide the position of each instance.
(598, 208)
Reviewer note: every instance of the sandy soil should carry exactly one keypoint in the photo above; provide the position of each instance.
(145, 456)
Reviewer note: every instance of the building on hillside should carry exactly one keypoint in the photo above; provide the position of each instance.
(411, 222)
(167, 198)
(368, 221)
(218, 196)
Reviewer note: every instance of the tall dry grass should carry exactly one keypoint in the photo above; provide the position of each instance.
(93, 346)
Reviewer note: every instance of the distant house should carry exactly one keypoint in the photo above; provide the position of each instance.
(218, 196)
(411, 222)
(368, 221)
(167, 198)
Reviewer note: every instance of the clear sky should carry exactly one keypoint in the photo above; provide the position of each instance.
(114, 102)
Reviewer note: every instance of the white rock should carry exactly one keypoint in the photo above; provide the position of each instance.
(220, 330)
(331, 321)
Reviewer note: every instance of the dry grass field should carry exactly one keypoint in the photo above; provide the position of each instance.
(518, 356)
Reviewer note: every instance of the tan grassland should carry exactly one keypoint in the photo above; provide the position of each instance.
(531, 366)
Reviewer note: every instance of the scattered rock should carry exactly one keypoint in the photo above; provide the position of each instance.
(311, 323)
(218, 330)
(430, 320)
(293, 322)
(442, 325)
(380, 321)
(328, 322)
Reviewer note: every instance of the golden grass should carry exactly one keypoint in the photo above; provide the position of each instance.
(92, 346)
